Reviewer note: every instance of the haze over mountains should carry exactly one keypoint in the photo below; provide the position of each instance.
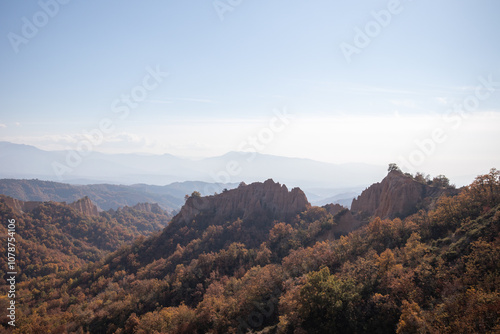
(24, 161)
(166, 179)
(107, 196)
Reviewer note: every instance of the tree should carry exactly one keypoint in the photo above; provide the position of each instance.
(420, 177)
(393, 167)
(441, 181)
(386, 261)
(411, 320)
(486, 188)
(327, 303)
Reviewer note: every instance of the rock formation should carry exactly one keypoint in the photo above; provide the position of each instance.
(148, 207)
(398, 195)
(18, 206)
(346, 222)
(268, 198)
(85, 206)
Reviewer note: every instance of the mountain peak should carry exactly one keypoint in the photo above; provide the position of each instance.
(268, 198)
(148, 207)
(85, 206)
(398, 195)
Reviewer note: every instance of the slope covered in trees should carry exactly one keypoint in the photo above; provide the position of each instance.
(53, 237)
(106, 196)
(435, 271)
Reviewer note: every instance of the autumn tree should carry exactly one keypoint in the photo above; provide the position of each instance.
(441, 181)
(411, 320)
(327, 303)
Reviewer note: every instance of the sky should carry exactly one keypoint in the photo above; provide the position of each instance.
(411, 82)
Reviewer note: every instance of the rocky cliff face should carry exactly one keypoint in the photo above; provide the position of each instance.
(148, 207)
(85, 206)
(346, 222)
(267, 198)
(18, 206)
(397, 195)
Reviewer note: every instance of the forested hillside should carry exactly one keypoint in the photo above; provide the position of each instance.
(108, 196)
(259, 270)
(53, 237)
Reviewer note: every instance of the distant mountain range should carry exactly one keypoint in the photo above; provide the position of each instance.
(108, 196)
(28, 162)
(170, 197)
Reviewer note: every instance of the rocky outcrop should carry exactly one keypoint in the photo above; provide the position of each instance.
(18, 206)
(148, 207)
(85, 206)
(333, 209)
(269, 198)
(345, 221)
(398, 195)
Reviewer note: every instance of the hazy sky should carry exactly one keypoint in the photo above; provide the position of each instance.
(363, 81)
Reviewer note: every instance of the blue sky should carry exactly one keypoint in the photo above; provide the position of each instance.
(225, 78)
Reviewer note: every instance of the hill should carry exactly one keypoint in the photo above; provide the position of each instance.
(211, 271)
(53, 237)
(108, 196)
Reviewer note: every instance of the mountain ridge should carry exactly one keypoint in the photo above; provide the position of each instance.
(261, 251)
(246, 200)
(30, 162)
(106, 196)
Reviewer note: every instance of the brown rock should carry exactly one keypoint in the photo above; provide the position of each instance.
(346, 222)
(85, 206)
(148, 207)
(18, 206)
(268, 197)
(398, 195)
(333, 209)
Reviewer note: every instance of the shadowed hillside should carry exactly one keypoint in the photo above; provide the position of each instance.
(55, 236)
